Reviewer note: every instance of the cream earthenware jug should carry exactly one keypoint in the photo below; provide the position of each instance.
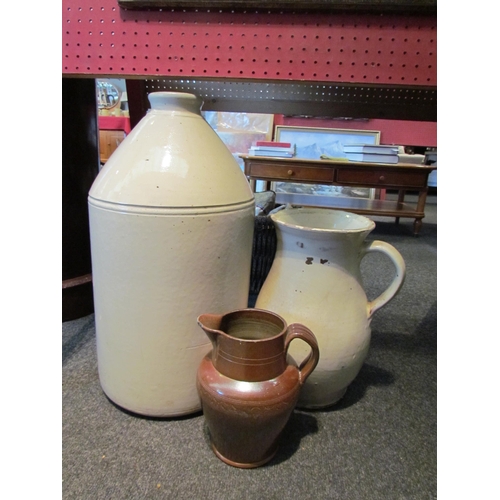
(171, 226)
(315, 279)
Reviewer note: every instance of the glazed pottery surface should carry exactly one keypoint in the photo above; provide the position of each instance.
(171, 222)
(315, 279)
(248, 385)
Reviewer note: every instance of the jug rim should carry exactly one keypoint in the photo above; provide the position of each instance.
(189, 96)
(279, 218)
(250, 311)
(162, 101)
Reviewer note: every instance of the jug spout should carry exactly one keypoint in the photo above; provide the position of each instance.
(210, 324)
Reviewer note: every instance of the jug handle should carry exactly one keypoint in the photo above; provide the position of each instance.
(397, 282)
(298, 331)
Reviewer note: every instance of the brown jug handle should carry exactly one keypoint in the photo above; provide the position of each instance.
(298, 331)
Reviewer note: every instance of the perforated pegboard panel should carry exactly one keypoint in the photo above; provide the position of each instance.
(300, 98)
(101, 39)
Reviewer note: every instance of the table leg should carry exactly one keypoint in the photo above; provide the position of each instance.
(416, 226)
(401, 199)
(422, 197)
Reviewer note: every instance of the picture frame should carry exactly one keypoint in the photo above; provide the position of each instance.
(311, 143)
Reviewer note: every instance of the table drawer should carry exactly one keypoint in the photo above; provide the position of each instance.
(290, 173)
(381, 177)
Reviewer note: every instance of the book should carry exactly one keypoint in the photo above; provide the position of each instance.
(273, 144)
(279, 154)
(264, 148)
(370, 148)
(372, 158)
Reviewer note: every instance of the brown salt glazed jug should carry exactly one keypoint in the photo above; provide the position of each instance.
(247, 384)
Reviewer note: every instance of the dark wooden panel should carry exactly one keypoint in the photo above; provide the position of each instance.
(137, 100)
(407, 6)
(80, 166)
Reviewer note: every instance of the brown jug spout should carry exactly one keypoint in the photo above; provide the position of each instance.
(210, 324)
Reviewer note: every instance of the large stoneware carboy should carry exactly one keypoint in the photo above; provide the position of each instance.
(171, 223)
(315, 279)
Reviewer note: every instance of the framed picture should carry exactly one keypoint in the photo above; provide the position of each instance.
(313, 143)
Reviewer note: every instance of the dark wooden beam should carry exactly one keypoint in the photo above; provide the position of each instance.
(317, 99)
(138, 103)
(378, 6)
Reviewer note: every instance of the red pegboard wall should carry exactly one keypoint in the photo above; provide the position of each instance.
(101, 39)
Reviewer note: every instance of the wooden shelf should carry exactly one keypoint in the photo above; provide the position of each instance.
(364, 206)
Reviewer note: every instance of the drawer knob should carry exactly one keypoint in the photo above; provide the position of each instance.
(382, 178)
(290, 172)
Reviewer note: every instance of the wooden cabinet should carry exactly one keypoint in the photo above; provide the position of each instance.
(109, 140)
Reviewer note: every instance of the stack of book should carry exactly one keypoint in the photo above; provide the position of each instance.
(270, 148)
(371, 153)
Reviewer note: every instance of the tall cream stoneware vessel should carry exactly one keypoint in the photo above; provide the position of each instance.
(315, 279)
(171, 226)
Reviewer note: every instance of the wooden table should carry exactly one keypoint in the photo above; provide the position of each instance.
(402, 176)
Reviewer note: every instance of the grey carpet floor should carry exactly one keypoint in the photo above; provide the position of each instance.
(379, 442)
